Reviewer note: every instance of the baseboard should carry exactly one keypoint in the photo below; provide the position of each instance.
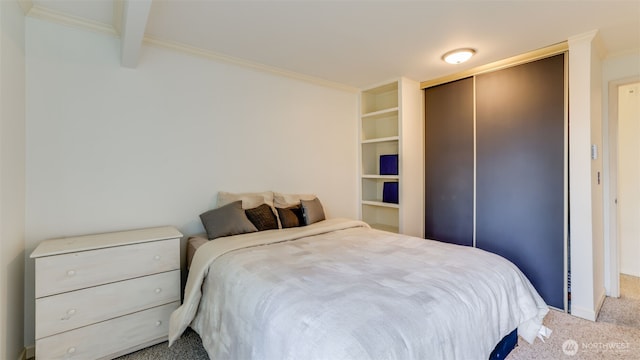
(587, 314)
(30, 352)
(600, 302)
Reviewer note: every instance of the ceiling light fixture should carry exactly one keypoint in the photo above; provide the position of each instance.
(458, 56)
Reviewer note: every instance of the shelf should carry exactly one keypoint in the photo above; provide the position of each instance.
(381, 216)
(381, 140)
(381, 204)
(381, 177)
(380, 113)
(391, 123)
(380, 124)
(380, 98)
(382, 89)
(372, 150)
(380, 135)
(384, 227)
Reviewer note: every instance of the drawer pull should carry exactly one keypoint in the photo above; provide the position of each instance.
(71, 273)
(158, 290)
(157, 257)
(158, 323)
(71, 350)
(69, 314)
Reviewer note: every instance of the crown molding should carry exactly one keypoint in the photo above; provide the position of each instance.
(245, 63)
(39, 12)
(623, 53)
(42, 13)
(592, 37)
(584, 37)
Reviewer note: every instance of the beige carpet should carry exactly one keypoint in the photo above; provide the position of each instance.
(626, 309)
(613, 336)
(575, 338)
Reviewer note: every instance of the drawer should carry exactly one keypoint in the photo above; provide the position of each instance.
(103, 340)
(67, 311)
(61, 273)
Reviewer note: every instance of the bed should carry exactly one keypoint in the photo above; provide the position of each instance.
(338, 289)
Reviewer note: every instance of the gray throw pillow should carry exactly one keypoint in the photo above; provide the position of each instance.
(312, 211)
(262, 217)
(226, 220)
(291, 216)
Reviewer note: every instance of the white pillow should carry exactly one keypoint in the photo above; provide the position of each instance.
(249, 200)
(285, 200)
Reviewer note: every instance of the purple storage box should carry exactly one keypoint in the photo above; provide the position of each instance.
(390, 192)
(389, 164)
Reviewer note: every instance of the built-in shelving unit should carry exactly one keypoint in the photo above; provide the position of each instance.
(391, 124)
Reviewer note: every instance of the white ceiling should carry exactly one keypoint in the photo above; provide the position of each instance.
(360, 43)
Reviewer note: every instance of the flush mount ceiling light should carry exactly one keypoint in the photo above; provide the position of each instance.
(458, 56)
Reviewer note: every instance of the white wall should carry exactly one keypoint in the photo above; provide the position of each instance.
(586, 234)
(112, 148)
(616, 70)
(629, 178)
(12, 179)
(597, 194)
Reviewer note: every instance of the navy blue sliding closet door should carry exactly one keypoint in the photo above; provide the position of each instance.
(449, 162)
(520, 188)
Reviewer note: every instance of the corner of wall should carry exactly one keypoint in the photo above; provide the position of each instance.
(583, 313)
(585, 205)
(588, 313)
(12, 176)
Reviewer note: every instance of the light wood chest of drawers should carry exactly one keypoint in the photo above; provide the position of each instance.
(104, 295)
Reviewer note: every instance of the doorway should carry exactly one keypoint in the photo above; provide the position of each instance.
(629, 178)
(624, 182)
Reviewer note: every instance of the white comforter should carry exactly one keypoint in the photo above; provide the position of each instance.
(340, 290)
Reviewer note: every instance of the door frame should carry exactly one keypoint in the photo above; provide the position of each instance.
(612, 241)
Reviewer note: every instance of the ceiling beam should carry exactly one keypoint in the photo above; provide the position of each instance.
(118, 10)
(26, 6)
(134, 21)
